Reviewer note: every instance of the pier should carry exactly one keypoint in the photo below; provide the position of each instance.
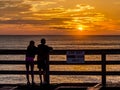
(59, 86)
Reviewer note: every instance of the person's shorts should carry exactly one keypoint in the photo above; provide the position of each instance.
(41, 65)
(30, 60)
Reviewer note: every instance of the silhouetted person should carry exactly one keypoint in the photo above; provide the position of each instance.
(30, 55)
(43, 59)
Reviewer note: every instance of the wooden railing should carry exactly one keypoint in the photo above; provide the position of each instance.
(103, 63)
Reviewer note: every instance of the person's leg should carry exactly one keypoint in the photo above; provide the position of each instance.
(44, 76)
(45, 73)
(40, 75)
(40, 70)
(32, 72)
(27, 72)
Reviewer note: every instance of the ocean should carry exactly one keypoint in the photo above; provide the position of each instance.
(60, 42)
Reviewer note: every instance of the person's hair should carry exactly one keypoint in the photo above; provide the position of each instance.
(32, 42)
(43, 41)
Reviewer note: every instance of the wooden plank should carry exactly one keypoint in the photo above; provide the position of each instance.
(52, 62)
(63, 52)
(59, 62)
(14, 72)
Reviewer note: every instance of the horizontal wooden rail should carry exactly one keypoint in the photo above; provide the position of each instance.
(54, 72)
(63, 52)
(21, 62)
(16, 72)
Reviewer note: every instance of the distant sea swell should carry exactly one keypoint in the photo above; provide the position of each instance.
(61, 41)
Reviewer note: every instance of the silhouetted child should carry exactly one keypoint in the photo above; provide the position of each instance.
(30, 55)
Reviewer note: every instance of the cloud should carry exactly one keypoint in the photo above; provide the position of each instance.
(12, 9)
(62, 28)
(52, 21)
(56, 18)
(9, 3)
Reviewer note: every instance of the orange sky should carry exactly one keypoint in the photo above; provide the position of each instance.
(59, 17)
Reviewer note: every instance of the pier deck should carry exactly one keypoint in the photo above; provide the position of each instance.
(64, 86)
(43, 87)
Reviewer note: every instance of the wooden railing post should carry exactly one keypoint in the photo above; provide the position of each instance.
(104, 70)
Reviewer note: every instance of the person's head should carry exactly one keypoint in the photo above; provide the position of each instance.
(32, 42)
(43, 41)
